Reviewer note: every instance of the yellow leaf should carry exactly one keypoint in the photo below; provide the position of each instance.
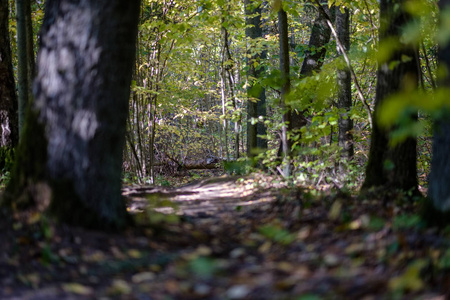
(264, 248)
(119, 287)
(335, 210)
(143, 277)
(78, 289)
(134, 253)
(410, 280)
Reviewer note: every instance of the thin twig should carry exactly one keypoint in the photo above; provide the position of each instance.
(427, 64)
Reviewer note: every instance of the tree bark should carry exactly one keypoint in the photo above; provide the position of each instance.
(320, 36)
(23, 73)
(394, 167)
(285, 89)
(9, 134)
(256, 93)
(439, 188)
(70, 158)
(344, 85)
(313, 61)
(31, 64)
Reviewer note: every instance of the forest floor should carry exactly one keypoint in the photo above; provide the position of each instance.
(230, 238)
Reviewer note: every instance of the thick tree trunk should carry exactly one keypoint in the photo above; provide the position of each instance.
(438, 183)
(313, 61)
(255, 92)
(344, 85)
(320, 36)
(285, 89)
(394, 167)
(71, 155)
(439, 188)
(9, 134)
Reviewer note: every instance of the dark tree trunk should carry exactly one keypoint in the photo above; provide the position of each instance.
(313, 61)
(9, 133)
(31, 64)
(23, 73)
(344, 85)
(320, 36)
(394, 167)
(255, 92)
(70, 157)
(286, 86)
(438, 182)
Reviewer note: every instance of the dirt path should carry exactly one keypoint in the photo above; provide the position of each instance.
(211, 197)
(224, 238)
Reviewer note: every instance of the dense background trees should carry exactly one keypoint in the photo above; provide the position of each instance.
(204, 83)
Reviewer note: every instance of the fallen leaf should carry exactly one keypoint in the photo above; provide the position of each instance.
(119, 287)
(238, 291)
(78, 289)
(335, 210)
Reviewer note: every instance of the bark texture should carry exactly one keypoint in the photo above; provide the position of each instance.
(439, 188)
(8, 100)
(320, 36)
(313, 61)
(256, 93)
(394, 167)
(344, 85)
(23, 72)
(285, 88)
(77, 121)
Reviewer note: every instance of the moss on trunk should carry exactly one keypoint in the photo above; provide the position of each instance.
(29, 167)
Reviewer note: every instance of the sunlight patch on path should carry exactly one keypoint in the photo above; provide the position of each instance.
(210, 196)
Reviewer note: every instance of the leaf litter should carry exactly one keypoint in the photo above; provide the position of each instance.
(230, 238)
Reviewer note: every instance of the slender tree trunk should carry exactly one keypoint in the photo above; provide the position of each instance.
(30, 47)
(69, 161)
(394, 167)
(22, 54)
(286, 86)
(9, 134)
(224, 114)
(344, 81)
(229, 67)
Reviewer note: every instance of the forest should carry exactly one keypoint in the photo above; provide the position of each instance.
(225, 149)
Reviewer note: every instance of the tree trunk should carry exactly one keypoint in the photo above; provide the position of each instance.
(438, 183)
(23, 74)
(394, 167)
(229, 70)
(70, 158)
(313, 61)
(9, 134)
(286, 86)
(344, 85)
(320, 36)
(255, 91)
(31, 65)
